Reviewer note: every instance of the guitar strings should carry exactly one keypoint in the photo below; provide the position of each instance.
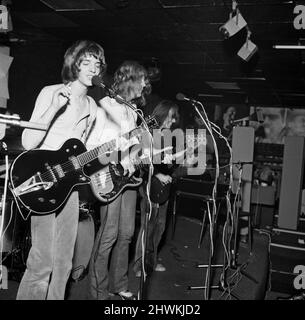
(69, 167)
(49, 174)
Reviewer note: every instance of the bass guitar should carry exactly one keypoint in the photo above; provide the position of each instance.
(110, 181)
(42, 180)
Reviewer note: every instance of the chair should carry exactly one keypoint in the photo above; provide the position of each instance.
(260, 195)
(201, 191)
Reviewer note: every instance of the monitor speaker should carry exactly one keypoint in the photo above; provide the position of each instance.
(242, 155)
(291, 183)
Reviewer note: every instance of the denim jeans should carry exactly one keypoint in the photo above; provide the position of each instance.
(113, 239)
(50, 258)
(155, 229)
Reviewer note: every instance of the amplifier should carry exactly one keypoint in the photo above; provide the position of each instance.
(263, 195)
(287, 250)
(199, 187)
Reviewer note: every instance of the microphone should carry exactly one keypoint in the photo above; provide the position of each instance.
(180, 96)
(98, 81)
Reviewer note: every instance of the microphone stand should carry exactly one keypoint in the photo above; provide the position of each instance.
(232, 261)
(23, 124)
(13, 120)
(214, 196)
(148, 210)
(121, 100)
(118, 98)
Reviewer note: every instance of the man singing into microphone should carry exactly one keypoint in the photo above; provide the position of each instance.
(68, 112)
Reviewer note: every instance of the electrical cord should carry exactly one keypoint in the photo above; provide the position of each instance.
(3, 212)
(3, 201)
(214, 192)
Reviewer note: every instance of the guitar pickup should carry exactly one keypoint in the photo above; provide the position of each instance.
(75, 163)
(59, 171)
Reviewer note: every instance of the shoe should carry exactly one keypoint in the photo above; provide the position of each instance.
(160, 267)
(127, 295)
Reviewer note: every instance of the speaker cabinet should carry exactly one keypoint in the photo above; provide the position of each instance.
(243, 149)
(291, 184)
(287, 250)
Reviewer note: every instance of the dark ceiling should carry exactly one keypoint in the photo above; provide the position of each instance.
(183, 38)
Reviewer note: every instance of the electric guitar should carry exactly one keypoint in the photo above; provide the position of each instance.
(108, 183)
(42, 180)
(159, 192)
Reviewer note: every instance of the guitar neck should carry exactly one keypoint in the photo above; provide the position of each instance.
(93, 154)
(109, 146)
(141, 162)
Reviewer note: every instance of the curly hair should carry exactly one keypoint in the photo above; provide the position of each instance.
(127, 76)
(75, 55)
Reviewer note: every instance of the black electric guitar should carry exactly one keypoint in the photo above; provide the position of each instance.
(42, 179)
(159, 192)
(110, 181)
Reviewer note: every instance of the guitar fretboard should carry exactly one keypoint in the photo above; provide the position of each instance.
(109, 146)
(93, 154)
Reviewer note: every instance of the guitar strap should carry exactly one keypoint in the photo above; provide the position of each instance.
(89, 124)
(87, 130)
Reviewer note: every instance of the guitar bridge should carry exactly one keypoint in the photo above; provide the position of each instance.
(32, 185)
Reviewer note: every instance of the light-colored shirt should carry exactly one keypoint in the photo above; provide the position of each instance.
(67, 123)
(112, 120)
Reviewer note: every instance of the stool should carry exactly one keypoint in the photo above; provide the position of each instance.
(207, 200)
(248, 215)
(241, 214)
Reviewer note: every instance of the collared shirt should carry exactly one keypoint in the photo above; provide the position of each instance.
(67, 123)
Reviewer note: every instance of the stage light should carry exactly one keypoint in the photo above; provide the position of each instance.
(234, 24)
(247, 50)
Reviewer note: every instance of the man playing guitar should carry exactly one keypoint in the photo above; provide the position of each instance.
(118, 216)
(68, 112)
(166, 114)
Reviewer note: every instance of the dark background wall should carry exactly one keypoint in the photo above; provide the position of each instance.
(34, 66)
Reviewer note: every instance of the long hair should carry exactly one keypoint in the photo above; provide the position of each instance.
(127, 76)
(75, 55)
(161, 111)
